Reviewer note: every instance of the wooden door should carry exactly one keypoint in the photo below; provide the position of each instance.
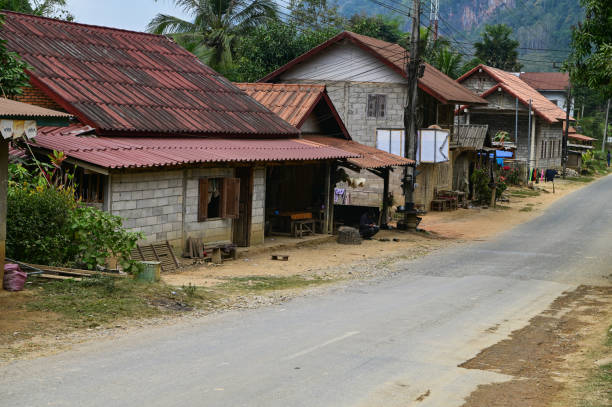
(242, 224)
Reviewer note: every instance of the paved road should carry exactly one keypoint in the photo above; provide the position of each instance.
(379, 343)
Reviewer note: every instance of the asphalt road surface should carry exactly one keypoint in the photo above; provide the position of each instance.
(370, 343)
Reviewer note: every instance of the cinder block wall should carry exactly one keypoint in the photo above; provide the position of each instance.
(259, 199)
(151, 203)
(350, 100)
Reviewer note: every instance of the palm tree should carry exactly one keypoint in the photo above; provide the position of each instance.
(447, 62)
(216, 27)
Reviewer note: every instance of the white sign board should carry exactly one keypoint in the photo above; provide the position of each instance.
(30, 129)
(609, 139)
(6, 126)
(432, 146)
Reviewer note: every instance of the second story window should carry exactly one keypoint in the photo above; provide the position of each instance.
(377, 105)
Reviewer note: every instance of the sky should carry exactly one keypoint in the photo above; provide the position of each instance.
(127, 14)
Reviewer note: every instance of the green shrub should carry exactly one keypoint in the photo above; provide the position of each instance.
(47, 225)
(482, 189)
(37, 224)
(97, 234)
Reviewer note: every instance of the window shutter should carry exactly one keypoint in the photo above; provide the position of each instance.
(371, 105)
(202, 199)
(230, 198)
(382, 102)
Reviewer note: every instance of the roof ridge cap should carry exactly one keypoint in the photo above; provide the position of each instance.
(74, 23)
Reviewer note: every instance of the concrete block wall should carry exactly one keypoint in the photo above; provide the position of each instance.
(210, 230)
(149, 202)
(350, 100)
(258, 212)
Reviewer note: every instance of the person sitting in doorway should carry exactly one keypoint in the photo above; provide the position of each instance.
(367, 227)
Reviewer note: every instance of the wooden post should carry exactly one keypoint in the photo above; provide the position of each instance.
(3, 203)
(329, 203)
(385, 204)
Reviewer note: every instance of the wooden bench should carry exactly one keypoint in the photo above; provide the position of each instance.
(302, 227)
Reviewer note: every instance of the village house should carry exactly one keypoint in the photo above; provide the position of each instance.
(309, 108)
(367, 83)
(577, 144)
(536, 142)
(553, 85)
(162, 140)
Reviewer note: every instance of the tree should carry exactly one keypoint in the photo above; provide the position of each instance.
(12, 71)
(315, 14)
(44, 8)
(272, 45)
(381, 27)
(497, 49)
(216, 26)
(448, 62)
(590, 61)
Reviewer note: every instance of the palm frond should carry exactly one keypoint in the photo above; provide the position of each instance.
(165, 24)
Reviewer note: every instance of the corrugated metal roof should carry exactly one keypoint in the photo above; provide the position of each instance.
(521, 90)
(369, 157)
(123, 81)
(292, 102)
(10, 108)
(296, 102)
(546, 80)
(433, 81)
(470, 135)
(143, 152)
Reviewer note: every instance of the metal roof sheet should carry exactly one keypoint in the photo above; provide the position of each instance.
(292, 102)
(10, 108)
(123, 81)
(546, 80)
(143, 152)
(521, 90)
(433, 81)
(296, 102)
(369, 157)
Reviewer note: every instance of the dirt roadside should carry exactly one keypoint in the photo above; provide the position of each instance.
(64, 319)
(553, 358)
(443, 229)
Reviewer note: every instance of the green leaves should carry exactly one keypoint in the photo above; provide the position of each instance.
(497, 49)
(46, 225)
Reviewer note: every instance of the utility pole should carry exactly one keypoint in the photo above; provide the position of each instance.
(433, 17)
(410, 120)
(529, 169)
(603, 143)
(568, 106)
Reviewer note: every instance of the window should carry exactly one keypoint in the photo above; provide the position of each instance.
(89, 186)
(377, 105)
(218, 198)
(391, 141)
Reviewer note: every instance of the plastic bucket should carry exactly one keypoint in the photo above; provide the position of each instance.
(14, 278)
(150, 271)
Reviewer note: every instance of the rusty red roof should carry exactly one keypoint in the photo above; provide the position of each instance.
(369, 157)
(433, 81)
(294, 102)
(129, 82)
(521, 90)
(144, 152)
(546, 80)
